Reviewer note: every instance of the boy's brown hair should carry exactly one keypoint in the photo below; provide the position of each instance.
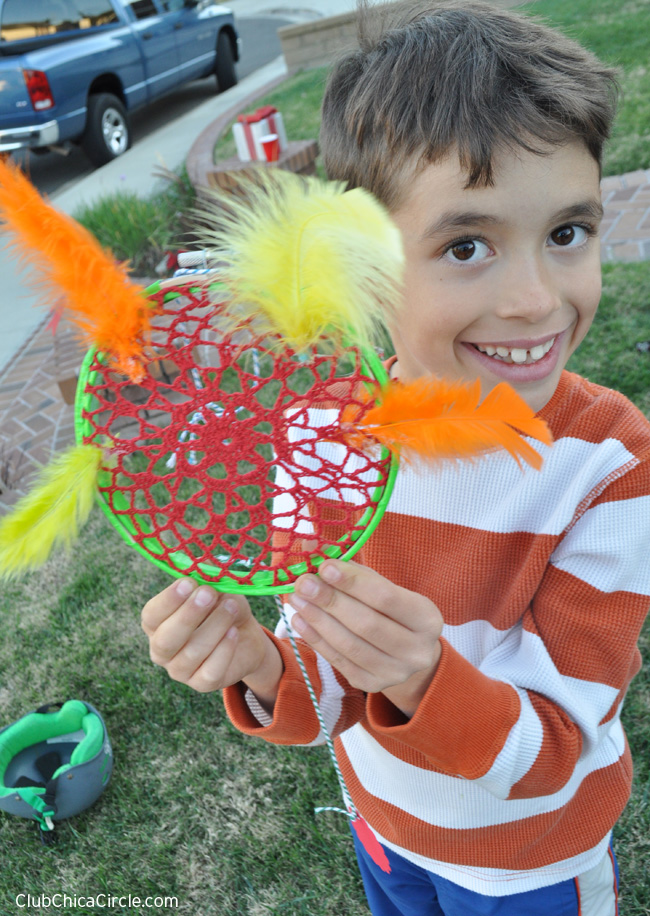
(435, 75)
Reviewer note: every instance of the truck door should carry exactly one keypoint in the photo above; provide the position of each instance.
(196, 35)
(158, 42)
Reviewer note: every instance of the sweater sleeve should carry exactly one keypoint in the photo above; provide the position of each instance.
(546, 699)
(294, 719)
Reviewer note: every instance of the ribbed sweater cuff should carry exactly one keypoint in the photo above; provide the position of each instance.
(462, 722)
(294, 719)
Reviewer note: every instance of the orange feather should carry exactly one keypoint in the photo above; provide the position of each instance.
(110, 311)
(436, 420)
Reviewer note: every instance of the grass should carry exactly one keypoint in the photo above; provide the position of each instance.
(617, 32)
(609, 354)
(196, 810)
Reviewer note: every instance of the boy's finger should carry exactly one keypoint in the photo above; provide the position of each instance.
(166, 603)
(361, 665)
(323, 629)
(212, 673)
(178, 627)
(407, 608)
(365, 622)
(202, 643)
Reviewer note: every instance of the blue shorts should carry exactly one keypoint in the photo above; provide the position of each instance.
(412, 891)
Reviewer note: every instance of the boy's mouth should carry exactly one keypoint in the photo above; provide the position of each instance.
(520, 361)
(516, 355)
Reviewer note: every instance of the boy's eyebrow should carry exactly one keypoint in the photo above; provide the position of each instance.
(451, 220)
(458, 220)
(592, 209)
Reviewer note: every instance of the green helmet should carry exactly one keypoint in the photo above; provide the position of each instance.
(54, 762)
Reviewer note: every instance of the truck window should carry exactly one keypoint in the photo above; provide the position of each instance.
(34, 18)
(142, 8)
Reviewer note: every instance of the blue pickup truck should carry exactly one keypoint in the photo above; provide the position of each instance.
(72, 71)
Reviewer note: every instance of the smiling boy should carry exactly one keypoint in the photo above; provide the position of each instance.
(474, 662)
(501, 282)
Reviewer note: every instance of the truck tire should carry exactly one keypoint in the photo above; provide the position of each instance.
(224, 67)
(108, 131)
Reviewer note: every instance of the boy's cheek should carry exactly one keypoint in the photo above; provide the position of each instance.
(587, 313)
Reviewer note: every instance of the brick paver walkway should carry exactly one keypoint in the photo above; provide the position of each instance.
(35, 421)
(625, 231)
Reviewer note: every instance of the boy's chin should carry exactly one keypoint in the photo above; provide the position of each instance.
(536, 393)
(537, 397)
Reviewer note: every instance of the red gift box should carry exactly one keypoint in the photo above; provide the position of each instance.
(250, 128)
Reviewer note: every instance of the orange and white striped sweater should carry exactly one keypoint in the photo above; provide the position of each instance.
(515, 766)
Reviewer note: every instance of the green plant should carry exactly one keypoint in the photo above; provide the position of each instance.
(140, 230)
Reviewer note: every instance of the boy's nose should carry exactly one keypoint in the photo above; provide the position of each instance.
(529, 293)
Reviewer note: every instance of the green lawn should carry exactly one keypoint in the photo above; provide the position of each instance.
(194, 809)
(618, 32)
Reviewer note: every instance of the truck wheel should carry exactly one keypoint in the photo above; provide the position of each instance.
(224, 67)
(108, 132)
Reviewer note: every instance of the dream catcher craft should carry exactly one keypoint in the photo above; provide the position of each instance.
(238, 427)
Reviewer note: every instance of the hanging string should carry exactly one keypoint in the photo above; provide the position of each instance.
(351, 811)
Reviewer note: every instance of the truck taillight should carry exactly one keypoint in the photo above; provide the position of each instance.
(39, 89)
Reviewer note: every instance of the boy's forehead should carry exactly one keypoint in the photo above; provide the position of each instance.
(563, 175)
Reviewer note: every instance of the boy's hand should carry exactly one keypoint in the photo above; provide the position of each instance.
(209, 640)
(381, 637)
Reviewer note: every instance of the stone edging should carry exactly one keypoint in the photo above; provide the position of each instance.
(199, 160)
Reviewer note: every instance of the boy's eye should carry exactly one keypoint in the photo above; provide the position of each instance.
(467, 250)
(569, 236)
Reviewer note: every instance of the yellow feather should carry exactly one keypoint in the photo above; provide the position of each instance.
(52, 513)
(306, 258)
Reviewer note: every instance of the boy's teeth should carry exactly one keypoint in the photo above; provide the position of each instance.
(517, 354)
